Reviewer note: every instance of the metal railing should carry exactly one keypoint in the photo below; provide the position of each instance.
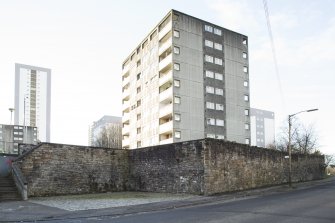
(20, 181)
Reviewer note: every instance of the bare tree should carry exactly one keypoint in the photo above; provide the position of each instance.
(329, 159)
(303, 139)
(109, 137)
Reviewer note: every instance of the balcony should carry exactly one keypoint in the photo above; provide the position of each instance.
(165, 62)
(166, 141)
(125, 130)
(125, 142)
(167, 28)
(165, 110)
(165, 78)
(125, 69)
(126, 106)
(125, 81)
(164, 46)
(125, 117)
(167, 127)
(166, 96)
(125, 94)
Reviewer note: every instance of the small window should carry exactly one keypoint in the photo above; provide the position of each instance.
(245, 83)
(219, 122)
(138, 76)
(218, 61)
(245, 69)
(209, 74)
(218, 46)
(210, 89)
(247, 141)
(218, 91)
(208, 43)
(212, 136)
(138, 50)
(210, 121)
(138, 90)
(176, 66)
(138, 103)
(208, 28)
(177, 100)
(244, 55)
(209, 59)
(246, 97)
(218, 76)
(153, 35)
(176, 83)
(244, 41)
(217, 31)
(177, 134)
(176, 50)
(177, 117)
(246, 126)
(138, 63)
(176, 33)
(210, 105)
(246, 112)
(219, 107)
(138, 144)
(138, 117)
(138, 130)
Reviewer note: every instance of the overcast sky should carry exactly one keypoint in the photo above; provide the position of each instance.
(84, 43)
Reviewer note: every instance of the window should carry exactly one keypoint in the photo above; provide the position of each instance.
(210, 121)
(138, 117)
(212, 136)
(219, 107)
(177, 117)
(138, 130)
(208, 28)
(218, 61)
(245, 69)
(247, 141)
(153, 35)
(217, 31)
(138, 90)
(218, 46)
(246, 97)
(138, 76)
(176, 83)
(246, 126)
(245, 83)
(210, 105)
(138, 103)
(208, 43)
(244, 41)
(220, 136)
(177, 134)
(219, 122)
(176, 66)
(176, 100)
(209, 74)
(246, 112)
(244, 55)
(218, 76)
(176, 50)
(138, 63)
(218, 91)
(138, 144)
(209, 89)
(209, 59)
(176, 33)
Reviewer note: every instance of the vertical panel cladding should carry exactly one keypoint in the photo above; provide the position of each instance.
(231, 167)
(190, 76)
(54, 169)
(235, 46)
(173, 168)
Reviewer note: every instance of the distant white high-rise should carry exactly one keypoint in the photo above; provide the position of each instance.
(33, 99)
(262, 127)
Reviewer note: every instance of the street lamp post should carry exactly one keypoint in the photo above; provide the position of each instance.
(289, 142)
(11, 114)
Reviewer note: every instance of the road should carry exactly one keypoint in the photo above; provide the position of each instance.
(312, 204)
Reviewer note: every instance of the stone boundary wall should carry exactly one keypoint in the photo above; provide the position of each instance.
(202, 167)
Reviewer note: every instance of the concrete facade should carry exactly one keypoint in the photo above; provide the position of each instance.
(203, 167)
(33, 99)
(12, 135)
(262, 127)
(193, 75)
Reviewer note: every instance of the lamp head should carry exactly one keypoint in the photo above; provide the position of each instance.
(311, 110)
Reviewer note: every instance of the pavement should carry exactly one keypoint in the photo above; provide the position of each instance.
(32, 211)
